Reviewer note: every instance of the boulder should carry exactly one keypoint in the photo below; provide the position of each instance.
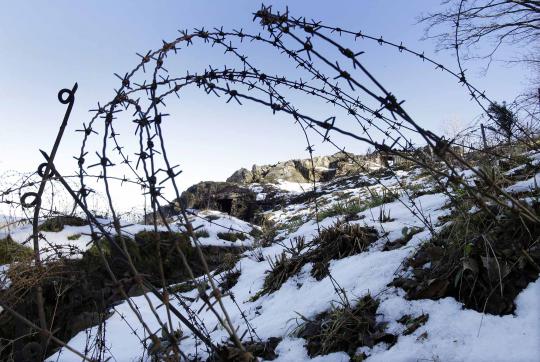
(242, 175)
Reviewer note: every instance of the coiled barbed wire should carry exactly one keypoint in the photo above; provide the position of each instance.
(366, 111)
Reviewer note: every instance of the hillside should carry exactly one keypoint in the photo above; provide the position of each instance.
(389, 268)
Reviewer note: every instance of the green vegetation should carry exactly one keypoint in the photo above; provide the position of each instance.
(352, 207)
(203, 233)
(336, 242)
(256, 232)
(294, 223)
(378, 199)
(482, 259)
(345, 208)
(11, 251)
(74, 237)
(57, 223)
(147, 250)
(412, 323)
(345, 328)
(232, 236)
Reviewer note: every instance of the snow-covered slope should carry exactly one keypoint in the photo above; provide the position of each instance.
(451, 333)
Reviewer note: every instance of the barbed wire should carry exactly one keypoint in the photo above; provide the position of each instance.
(365, 111)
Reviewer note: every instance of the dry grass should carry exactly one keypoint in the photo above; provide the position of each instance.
(254, 351)
(483, 260)
(336, 242)
(344, 328)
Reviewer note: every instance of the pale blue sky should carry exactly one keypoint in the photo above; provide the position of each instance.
(48, 45)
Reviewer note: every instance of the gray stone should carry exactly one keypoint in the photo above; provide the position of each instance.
(322, 169)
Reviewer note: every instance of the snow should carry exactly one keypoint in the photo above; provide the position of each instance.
(453, 333)
(297, 187)
(55, 244)
(223, 223)
(525, 185)
(5, 282)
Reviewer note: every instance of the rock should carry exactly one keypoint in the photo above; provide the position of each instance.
(238, 201)
(235, 199)
(323, 168)
(242, 175)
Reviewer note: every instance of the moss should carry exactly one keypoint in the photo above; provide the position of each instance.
(57, 223)
(74, 237)
(143, 250)
(232, 236)
(11, 251)
(90, 293)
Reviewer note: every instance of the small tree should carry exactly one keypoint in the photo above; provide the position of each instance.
(505, 119)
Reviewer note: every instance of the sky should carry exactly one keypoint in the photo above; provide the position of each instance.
(51, 45)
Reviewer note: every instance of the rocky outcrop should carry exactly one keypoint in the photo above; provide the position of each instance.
(324, 168)
(241, 201)
(231, 198)
(240, 198)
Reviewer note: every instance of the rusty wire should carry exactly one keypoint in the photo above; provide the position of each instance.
(371, 114)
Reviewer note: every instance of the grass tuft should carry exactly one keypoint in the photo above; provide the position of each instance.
(483, 260)
(344, 328)
(336, 242)
(203, 233)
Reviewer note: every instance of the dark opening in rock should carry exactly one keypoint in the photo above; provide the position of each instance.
(225, 205)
